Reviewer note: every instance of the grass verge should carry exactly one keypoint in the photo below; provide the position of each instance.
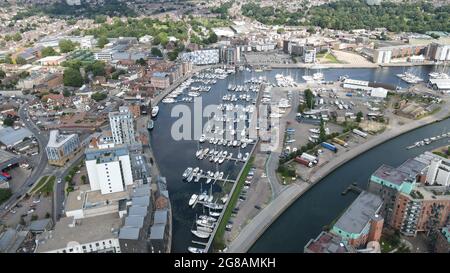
(39, 184)
(219, 241)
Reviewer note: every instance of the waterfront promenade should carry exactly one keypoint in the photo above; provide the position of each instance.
(288, 195)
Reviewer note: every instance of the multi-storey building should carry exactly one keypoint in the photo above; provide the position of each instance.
(109, 169)
(415, 194)
(122, 127)
(361, 222)
(61, 148)
(160, 80)
(438, 52)
(357, 230)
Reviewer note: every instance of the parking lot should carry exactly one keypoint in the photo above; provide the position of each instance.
(29, 208)
(18, 177)
(255, 195)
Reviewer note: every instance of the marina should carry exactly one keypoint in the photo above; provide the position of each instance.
(173, 162)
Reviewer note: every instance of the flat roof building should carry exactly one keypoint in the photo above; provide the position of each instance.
(61, 148)
(94, 234)
(10, 137)
(357, 222)
(109, 169)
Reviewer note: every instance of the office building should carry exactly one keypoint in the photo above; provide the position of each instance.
(61, 148)
(122, 126)
(109, 169)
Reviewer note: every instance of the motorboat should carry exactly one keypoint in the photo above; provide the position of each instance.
(202, 196)
(214, 213)
(210, 198)
(207, 218)
(150, 125)
(246, 156)
(168, 100)
(195, 250)
(216, 175)
(190, 177)
(221, 175)
(204, 223)
(187, 172)
(205, 229)
(193, 198)
(198, 153)
(208, 180)
(201, 234)
(202, 139)
(155, 110)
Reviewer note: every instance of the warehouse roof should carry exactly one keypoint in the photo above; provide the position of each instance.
(9, 136)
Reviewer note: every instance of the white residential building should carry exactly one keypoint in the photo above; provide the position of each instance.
(109, 169)
(122, 127)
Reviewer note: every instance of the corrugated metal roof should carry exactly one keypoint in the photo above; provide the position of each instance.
(134, 221)
(9, 136)
(157, 232)
(129, 233)
(160, 217)
(137, 210)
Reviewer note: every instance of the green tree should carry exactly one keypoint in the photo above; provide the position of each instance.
(48, 51)
(97, 96)
(141, 62)
(2, 74)
(102, 41)
(20, 60)
(17, 37)
(156, 52)
(8, 121)
(359, 116)
(322, 132)
(72, 77)
(66, 45)
(97, 68)
(100, 19)
(67, 93)
(8, 59)
(309, 98)
(173, 55)
(5, 194)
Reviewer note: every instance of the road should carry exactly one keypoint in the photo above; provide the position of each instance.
(59, 189)
(38, 164)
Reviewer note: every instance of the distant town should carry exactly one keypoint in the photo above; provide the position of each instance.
(191, 126)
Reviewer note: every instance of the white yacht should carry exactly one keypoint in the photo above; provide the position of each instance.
(193, 199)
